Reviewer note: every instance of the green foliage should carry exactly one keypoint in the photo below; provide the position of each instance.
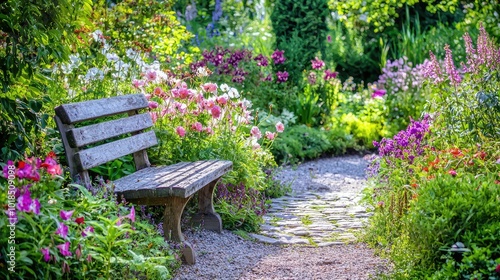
(300, 29)
(149, 26)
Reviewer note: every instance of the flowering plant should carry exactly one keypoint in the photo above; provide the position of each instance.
(51, 231)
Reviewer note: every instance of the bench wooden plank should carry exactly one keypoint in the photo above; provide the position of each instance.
(96, 156)
(79, 137)
(88, 110)
(167, 183)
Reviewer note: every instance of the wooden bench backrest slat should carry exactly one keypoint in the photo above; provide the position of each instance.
(92, 157)
(92, 109)
(82, 136)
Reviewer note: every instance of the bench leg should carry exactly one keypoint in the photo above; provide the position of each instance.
(174, 206)
(206, 216)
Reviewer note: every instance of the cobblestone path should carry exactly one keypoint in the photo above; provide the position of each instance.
(324, 207)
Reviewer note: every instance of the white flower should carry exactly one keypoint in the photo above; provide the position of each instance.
(131, 53)
(233, 93)
(93, 74)
(202, 72)
(112, 57)
(224, 87)
(98, 36)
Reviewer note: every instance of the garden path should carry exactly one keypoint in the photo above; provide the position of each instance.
(323, 210)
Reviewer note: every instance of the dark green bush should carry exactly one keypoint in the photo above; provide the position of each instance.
(300, 28)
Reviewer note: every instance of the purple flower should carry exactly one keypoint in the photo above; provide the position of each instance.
(329, 74)
(64, 249)
(317, 63)
(278, 57)
(46, 254)
(261, 60)
(268, 78)
(87, 230)
(379, 93)
(131, 216)
(35, 206)
(282, 76)
(66, 215)
(329, 38)
(24, 202)
(453, 75)
(62, 230)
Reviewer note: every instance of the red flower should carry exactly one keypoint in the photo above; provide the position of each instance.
(51, 154)
(80, 220)
(498, 269)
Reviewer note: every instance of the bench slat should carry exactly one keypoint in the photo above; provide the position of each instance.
(92, 109)
(96, 156)
(78, 137)
(168, 181)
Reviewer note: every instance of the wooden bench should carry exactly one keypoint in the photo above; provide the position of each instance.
(172, 186)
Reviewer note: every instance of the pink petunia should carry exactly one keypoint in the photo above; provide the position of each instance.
(209, 87)
(255, 132)
(280, 127)
(64, 249)
(180, 131)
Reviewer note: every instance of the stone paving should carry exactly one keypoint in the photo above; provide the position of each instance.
(324, 207)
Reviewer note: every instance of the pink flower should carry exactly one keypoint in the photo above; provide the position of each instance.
(215, 112)
(154, 116)
(46, 254)
(158, 91)
(209, 87)
(180, 131)
(278, 57)
(62, 230)
(153, 104)
(197, 126)
(270, 135)
(87, 230)
(208, 130)
(131, 216)
(209, 103)
(280, 127)
(54, 169)
(329, 74)
(65, 215)
(255, 132)
(138, 83)
(282, 76)
(452, 172)
(183, 93)
(317, 63)
(151, 75)
(24, 202)
(329, 38)
(35, 206)
(78, 252)
(222, 100)
(64, 249)
(379, 93)
(256, 146)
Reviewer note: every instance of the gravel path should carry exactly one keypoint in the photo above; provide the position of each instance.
(228, 256)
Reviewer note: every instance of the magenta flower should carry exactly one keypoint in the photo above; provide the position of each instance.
(180, 131)
(379, 93)
(317, 63)
(46, 254)
(255, 132)
(329, 74)
(87, 231)
(209, 87)
(280, 127)
(453, 75)
(62, 230)
(452, 172)
(35, 206)
(278, 57)
(131, 216)
(66, 215)
(64, 249)
(261, 60)
(152, 104)
(329, 38)
(222, 99)
(282, 76)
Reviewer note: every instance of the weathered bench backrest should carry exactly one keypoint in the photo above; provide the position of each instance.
(76, 141)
